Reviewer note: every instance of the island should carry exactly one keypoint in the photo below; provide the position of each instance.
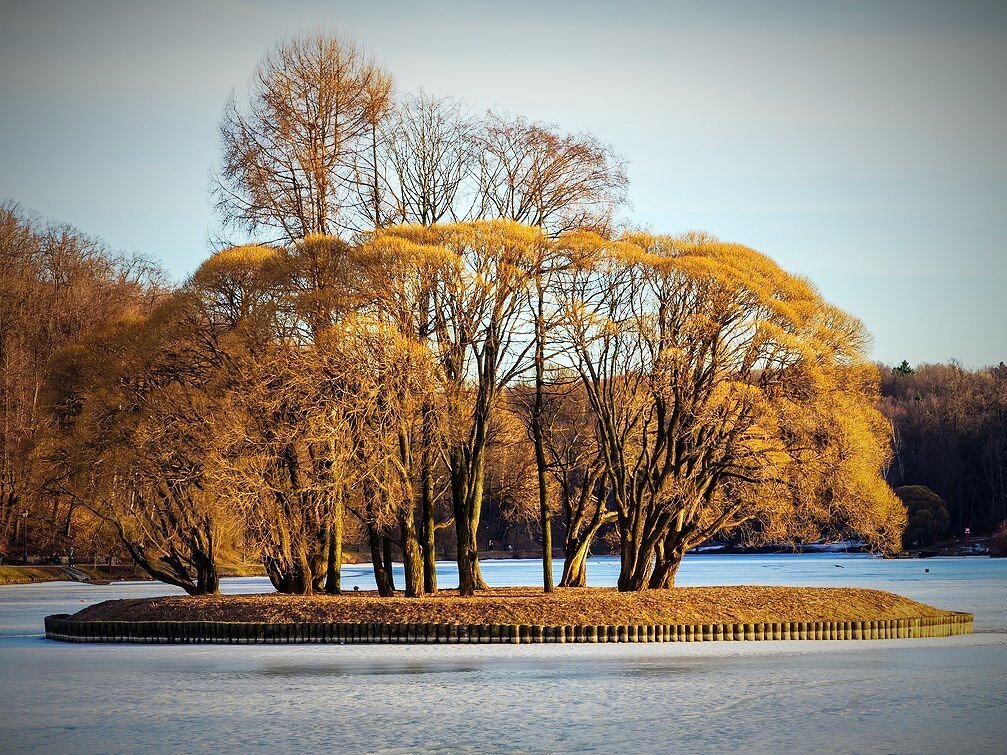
(515, 615)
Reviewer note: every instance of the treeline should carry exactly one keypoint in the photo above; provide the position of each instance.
(444, 322)
(678, 388)
(57, 286)
(950, 435)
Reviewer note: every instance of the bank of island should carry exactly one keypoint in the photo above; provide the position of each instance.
(515, 615)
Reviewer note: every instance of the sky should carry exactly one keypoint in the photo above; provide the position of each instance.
(860, 144)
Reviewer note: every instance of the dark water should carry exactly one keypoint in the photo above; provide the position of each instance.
(936, 695)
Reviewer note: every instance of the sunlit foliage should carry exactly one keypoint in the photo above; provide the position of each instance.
(728, 395)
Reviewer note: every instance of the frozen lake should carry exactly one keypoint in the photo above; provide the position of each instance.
(933, 695)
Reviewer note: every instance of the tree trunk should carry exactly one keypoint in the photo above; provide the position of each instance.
(663, 576)
(386, 554)
(428, 523)
(470, 576)
(628, 555)
(668, 558)
(412, 556)
(635, 579)
(466, 497)
(538, 436)
(305, 578)
(465, 556)
(382, 577)
(334, 564)
(577, 549)
(637, 564)
(206, 582)
(207, 579)
(475, 514)
(546, 520)
(575, 567)
(277, 575)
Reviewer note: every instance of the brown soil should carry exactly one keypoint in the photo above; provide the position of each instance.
(525, 605)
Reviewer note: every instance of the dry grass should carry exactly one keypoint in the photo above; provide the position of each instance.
(23, 575)
(525, 605)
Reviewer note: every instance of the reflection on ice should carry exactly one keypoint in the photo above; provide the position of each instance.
(294, 670)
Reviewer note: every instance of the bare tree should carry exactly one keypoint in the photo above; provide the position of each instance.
(535, 174)
(432, 151)
(291, 156)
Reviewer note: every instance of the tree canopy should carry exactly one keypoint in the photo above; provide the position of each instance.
(281, 390)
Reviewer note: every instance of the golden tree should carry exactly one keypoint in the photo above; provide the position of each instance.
(132, 429)
(326, 396)
(57, 287)
(726, 394)
(475, 278)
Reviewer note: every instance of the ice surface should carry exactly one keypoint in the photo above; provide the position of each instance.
(934, 695)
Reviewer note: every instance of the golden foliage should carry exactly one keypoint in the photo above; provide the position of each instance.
(729, 396)
(722, 393)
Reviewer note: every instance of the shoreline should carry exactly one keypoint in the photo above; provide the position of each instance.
(11, 574)
(17, 574)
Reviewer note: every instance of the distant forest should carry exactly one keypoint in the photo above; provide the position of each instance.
(950, 434)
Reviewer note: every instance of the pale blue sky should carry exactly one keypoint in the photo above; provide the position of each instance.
(860, 144)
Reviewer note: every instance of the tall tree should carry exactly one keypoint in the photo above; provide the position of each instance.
(429, 162)
(535, 174)
(477, 275)
(132, 429)
(726, 394)
(292, 155)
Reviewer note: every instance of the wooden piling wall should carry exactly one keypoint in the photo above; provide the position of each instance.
(64, 628)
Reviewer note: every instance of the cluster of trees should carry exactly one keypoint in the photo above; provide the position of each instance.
(57, 286)
(679, 388)
(325, 145)
(442, 317)
(950, 434)
(927, 515)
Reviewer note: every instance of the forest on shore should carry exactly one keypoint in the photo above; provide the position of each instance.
(434, 339)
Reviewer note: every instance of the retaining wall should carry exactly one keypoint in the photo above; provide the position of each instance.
(65, 629)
